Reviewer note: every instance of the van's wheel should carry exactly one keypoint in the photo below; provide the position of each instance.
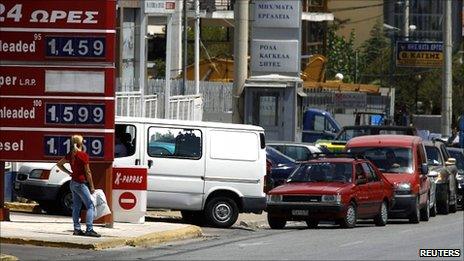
(275, 222)
(415, 215)
(425, 211)
(193, 217)
(433, 210)
(312, 223)
(382, 217)
(64, 200)
(349, 221)
(443, 207)
(221, 212)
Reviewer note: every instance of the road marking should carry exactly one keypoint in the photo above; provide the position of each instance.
(252, 244)
(406, 231)
(351, 244)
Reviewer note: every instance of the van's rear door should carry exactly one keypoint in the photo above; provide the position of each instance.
(176, 166)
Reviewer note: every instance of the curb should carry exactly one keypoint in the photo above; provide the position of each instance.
(23, 207)
(145, 240)
(4, 257)
(165, 236)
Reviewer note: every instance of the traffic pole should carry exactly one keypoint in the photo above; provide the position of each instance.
(446, 94)
(4, 212)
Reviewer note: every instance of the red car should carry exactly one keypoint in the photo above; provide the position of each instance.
(339, 189)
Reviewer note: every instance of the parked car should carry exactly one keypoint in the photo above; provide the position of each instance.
(458, 154)
(443, 173)
(349, 132)
(339, 189)
(211, 171)
(296, 151)
(402, 160)
(281, 167)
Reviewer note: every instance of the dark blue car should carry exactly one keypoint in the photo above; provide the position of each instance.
(282, 167)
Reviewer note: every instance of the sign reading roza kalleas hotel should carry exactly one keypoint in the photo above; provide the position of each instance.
(276, 37)
(275, 55)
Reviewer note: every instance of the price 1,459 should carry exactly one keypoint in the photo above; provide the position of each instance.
(79, 47)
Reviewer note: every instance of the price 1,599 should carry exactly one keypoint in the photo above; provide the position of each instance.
(58, 146)
(79, 47)
(75, 114)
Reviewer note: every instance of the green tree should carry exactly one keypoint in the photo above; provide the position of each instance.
(341, 55)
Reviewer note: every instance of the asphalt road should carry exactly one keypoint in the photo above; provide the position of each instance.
(398, 240)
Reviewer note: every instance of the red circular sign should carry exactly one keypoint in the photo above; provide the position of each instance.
(127, 200)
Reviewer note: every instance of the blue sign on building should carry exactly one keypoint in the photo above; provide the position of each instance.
(419, 54)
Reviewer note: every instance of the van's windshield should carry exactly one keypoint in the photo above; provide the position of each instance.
(388, 159)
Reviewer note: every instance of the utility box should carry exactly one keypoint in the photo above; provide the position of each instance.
(129, 194)
(274, 102)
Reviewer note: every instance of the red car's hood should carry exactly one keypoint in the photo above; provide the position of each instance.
(313, 188)
(399, 177)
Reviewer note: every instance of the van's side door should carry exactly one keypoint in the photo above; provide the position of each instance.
(176, 166)
(127, 147)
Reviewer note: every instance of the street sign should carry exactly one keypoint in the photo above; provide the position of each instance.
(35, 45)
(419, 54)
(127, 200)
(274, 55)
(159, 7)
(277, 14)
(56, 81)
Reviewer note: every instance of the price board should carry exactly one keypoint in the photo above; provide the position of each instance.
(54, 144)
(53, 112)
(34, 46)
(57, 78)
(52, 81)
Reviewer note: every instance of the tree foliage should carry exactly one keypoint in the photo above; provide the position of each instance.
(341, 55)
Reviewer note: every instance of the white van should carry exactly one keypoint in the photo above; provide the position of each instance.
(207, 170)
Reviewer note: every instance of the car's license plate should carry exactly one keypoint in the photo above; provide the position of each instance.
(17, 186)
(300, 212)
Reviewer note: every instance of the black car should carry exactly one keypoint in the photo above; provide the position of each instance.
(458, 154)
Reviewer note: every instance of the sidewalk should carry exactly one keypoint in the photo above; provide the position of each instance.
(56, 231)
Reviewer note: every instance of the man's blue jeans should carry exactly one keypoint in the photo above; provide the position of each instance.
(81, 195)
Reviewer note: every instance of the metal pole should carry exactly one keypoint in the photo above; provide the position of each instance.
(167, 90)
(406, 20)
(240, 56)
(184, 60)
(446, 102)
(197, 47)
(142, 58)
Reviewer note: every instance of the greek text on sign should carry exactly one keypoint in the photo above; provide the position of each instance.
(420, 54)
(85, 14)
(275, 55)
(277, 14)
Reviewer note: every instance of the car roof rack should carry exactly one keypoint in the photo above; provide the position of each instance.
(352, 155)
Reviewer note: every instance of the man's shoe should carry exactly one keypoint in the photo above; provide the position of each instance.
(92, 233)
(78, 232)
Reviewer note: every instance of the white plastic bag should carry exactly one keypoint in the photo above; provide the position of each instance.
(99, 201)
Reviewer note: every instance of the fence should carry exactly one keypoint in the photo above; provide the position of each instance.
(128, 104)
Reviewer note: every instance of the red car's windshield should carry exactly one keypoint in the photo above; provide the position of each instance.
(323, 172)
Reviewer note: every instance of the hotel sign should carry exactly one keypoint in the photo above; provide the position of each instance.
(277, 14)
(274, 55)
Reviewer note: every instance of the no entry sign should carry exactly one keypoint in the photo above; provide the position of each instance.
(127, 200)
